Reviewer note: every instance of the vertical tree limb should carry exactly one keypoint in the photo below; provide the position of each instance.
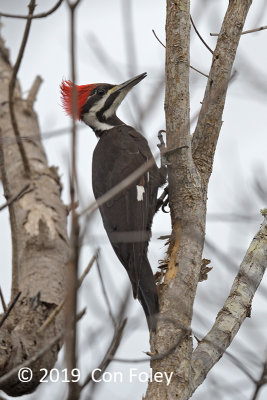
(12, 83)
(186, 202)
(189, 170)
(72, 270)
(210, 118)
(41, 249)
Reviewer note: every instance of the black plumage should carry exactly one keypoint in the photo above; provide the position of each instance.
(120, 151)
(127, 220)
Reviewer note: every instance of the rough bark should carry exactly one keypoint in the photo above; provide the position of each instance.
(209, 122)
(187, 213)
(189, 169)
(39, 239)
(235, 309)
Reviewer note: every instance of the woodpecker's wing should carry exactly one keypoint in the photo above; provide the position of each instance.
(128, 216)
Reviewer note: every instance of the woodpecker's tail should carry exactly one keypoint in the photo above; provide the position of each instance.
(148, 295)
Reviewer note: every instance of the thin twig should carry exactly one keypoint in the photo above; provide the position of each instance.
(56, 311)
(159, 356)
(21, 193)
(12, 88)
(71, 306)
(86, 271)
(115, 342)
(34, 89)
(261, 382)
(195, 69)
(200, 37)
(3, 300)
(105, 292)
(9, 309)
(158, 39)
(245, 32)
(72, 275)
(41, 15)
(51, 317)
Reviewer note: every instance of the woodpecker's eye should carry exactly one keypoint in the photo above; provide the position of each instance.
(101, 91)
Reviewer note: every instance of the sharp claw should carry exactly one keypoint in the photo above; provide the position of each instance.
(161, 145)
(165, 203)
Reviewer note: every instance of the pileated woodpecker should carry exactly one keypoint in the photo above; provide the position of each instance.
(120, 151)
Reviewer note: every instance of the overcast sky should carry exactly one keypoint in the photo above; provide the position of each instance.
(128, 47)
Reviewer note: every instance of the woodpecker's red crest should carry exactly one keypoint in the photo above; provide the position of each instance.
(83, 92)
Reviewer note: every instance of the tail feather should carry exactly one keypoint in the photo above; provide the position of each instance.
(148, 296)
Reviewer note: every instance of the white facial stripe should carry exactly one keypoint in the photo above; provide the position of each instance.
(140, 192)
(91, 119)
(112, 109)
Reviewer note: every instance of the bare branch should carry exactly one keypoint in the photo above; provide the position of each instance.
(245, 32)
(41, 15)
(87, 270)
(261, 382)
(200, 37)
(23, 191)
(105, 292)
(12, 88)
(236, 308)
(34, 90)
(9, 309)
(206, 134)
(3, 300)
(51, 317)
(154, 357)
(115, 342)
(195, 69)
(72, 271)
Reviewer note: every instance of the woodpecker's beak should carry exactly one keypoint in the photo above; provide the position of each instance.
(128, 85)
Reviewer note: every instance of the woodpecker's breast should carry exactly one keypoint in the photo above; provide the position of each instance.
(119, 152)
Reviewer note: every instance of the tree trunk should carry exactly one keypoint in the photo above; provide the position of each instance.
(39, 240)
(189, 167)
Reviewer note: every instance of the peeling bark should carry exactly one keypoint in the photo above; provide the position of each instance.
(39, 239)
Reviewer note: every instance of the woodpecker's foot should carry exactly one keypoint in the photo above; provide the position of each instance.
(163, 200)
(161, 145)
(163, 159)
(162, 149)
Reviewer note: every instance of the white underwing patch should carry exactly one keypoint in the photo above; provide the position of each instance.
(140, 192)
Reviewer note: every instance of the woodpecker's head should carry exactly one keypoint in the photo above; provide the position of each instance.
(97, 103)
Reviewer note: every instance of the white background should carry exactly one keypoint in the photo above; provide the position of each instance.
(240, 161)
